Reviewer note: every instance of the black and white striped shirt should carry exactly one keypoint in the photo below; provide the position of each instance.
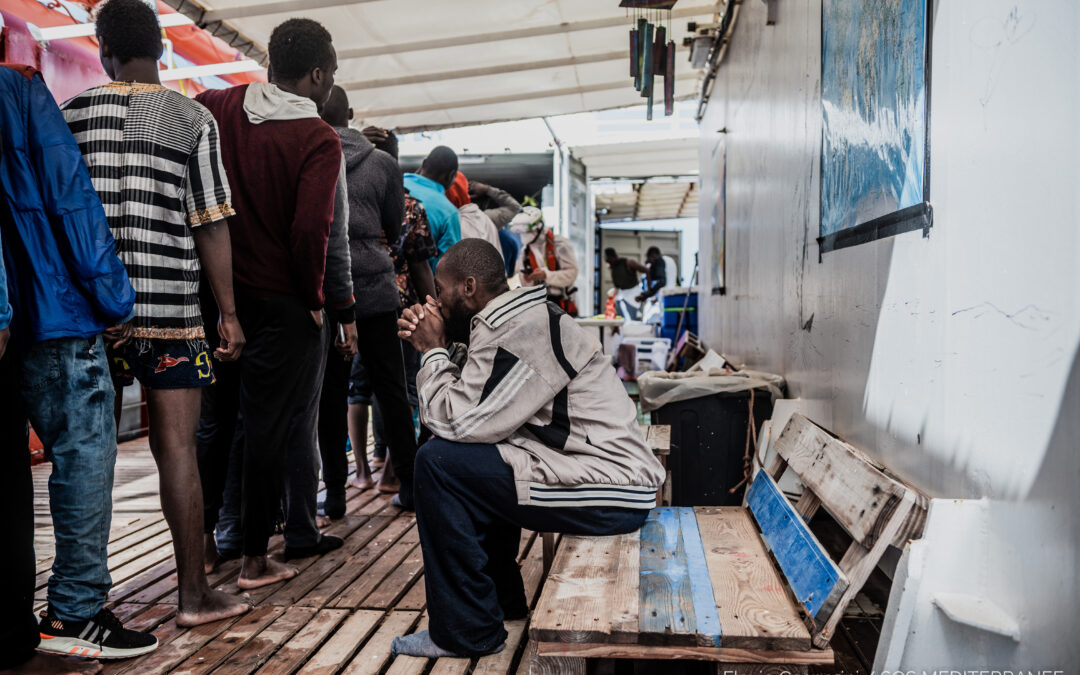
(155, 161)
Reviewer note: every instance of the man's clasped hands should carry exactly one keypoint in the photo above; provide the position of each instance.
(423, 326)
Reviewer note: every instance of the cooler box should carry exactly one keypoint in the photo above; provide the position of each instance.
(673, 300)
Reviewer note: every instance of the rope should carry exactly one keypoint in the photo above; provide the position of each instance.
(751, 436)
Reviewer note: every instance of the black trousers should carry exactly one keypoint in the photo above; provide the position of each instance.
(215, 437)
(380, 351)
(277, 370)
(470, 524)
(334, 418)
(18, 628)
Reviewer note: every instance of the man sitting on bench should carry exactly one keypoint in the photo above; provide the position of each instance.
(533, 431)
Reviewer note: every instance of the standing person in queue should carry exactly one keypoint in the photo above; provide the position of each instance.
(283, 164)
(501, 207)
(534, 431)
(475, 223)
(429, 185)
(63, 288)
(547, 259)
(154, 158)
(376, 212)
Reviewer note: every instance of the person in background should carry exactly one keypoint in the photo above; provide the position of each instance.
(221, 437)
(501, 207)
(534, 431)
(376, 213)
(302, 536)
(66, 287)
(283, 164)
(429, 185)
(657, 274)
(497, 204)
(624, 276)
(410, 254)
(154, 159)
(475, 224)
(547, 259)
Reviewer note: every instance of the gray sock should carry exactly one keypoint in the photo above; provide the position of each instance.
(418, 644)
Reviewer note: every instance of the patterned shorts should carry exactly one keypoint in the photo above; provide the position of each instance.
(166, 364)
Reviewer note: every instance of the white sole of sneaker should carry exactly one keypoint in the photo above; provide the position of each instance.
(69, 646)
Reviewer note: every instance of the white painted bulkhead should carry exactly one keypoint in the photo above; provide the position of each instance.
(952, 358)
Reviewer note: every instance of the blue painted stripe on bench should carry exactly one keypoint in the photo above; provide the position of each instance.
(675, 592)
(708, 621)
(810, 572)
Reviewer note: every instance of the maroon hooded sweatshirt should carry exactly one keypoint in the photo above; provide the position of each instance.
(283, 174)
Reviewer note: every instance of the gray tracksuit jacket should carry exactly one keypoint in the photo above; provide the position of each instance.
(537, 386)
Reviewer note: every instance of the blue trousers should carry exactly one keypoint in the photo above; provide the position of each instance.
(68, 395)
(470, 530)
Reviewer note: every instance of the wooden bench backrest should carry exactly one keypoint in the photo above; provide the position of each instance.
(874, 508)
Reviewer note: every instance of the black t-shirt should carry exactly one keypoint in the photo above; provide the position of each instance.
(622, 276)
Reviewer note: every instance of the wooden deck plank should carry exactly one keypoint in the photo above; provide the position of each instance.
(343, 643)
(658, 438)
(451, 666)
(381, 533)
(373, 657)
(262, 646)
(501, 663)
(416, 597)
(411, 665)
(754, 606)
(669, 595)
(811, 573)
(292, 654)
(319, 568)
(625, 601)
(394, 586)
(229, 641)
(851, 487)
(677, 652)
(580, 585)
(354, 595)
(185, 643)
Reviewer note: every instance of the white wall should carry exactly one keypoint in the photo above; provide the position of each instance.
(946, 357)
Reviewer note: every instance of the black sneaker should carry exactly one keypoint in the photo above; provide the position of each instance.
(102, 637)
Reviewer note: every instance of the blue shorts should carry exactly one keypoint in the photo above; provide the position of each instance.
(167, 364)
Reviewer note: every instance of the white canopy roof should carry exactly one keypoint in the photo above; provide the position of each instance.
(425, 64)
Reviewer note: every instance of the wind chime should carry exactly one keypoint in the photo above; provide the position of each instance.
(651, 52)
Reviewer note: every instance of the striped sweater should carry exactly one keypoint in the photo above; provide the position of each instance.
(537, 386)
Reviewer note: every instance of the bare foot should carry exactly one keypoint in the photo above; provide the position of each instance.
(323, 522)
(259, 571)
(389, 486)
(364, 483)
(210, 555)
(50, 664)
(213, 606)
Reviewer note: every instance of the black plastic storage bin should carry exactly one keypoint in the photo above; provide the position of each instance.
(708, 437)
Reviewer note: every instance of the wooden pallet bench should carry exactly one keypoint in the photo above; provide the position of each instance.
(748, 587)
(658, 438)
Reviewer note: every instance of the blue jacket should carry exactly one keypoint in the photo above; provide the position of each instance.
(443, 217)
(63, 277)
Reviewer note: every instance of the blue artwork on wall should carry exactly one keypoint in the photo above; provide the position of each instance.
(874, 106)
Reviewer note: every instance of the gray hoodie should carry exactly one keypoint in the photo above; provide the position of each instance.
(376, 211)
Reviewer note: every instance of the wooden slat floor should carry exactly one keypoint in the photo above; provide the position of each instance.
(338, 616)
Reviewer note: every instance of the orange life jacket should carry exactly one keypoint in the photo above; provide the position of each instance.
(563, 301)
